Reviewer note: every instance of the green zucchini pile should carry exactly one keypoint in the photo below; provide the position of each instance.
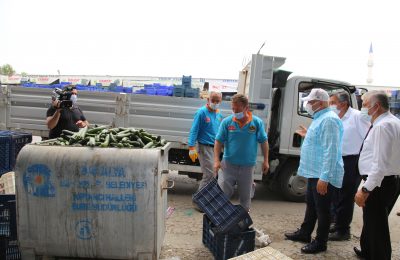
(105, 136)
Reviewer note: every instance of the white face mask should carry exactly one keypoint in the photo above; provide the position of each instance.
(74, 99)
(239, 115)
(309, 109)
(334, 109)
(213, 106)
(364, 113)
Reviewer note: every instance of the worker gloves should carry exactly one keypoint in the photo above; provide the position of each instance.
(193, 154)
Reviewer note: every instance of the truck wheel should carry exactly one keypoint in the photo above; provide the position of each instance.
(293, 187)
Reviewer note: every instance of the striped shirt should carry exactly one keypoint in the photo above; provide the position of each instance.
(321, 151)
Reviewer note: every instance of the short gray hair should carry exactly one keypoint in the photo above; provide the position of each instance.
(214, 92)
(377, 96)
(343, 97)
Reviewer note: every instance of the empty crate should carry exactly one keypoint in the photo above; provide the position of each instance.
(226, 217)
(8, 228)
(225, 246)
(10, 144)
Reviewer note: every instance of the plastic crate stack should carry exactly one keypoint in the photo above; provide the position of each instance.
(156, 89)
(187, 90)
(10, 144)
(226, 231)
(8, 228)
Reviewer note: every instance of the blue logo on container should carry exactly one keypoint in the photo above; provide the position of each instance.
(83, 229)
(36, 181)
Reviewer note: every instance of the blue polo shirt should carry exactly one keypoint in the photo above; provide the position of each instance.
(241, 142)
(205, 126)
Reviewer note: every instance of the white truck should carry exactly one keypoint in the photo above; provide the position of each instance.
(261, 80)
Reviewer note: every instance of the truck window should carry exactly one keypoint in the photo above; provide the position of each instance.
(305, 89)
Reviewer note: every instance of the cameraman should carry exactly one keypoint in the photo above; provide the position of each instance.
(69, 118)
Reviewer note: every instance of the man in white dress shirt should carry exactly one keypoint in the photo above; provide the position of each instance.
(355, 128)
(379, 167)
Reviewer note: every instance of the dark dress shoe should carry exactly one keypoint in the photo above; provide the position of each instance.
(339, 236)
(313, 248)
(298, 236)
(358, 252)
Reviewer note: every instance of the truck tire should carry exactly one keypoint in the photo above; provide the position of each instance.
(293, 187)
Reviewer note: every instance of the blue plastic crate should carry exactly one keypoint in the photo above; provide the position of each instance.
(222, 213)
(151, 91)
(192, 92)
(10, 144)
(186, 79)
(178, 91)
(119, 89)
(170, 90)
(225, 246)
(81, 88)
(127, 90)
(162, 92)
(140, 91)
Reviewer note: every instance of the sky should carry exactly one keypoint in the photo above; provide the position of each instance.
(206, 39)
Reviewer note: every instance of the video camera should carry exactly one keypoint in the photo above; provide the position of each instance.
(64, 96)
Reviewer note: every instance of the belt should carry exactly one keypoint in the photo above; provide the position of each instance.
(209, 145)
(364, 177)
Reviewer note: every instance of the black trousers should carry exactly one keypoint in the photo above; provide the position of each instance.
(375, 235)
(343, 199)
(318, 208)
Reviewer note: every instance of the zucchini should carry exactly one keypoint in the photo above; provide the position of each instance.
(146, 139)
(148, 145)
(92, 142)
(113, 138)
(106, 141)
(67, 132)
(120, 136)
(97, 129)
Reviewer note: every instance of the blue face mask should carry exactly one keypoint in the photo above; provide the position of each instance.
(239, 115)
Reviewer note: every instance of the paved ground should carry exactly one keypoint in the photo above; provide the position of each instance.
(269, 212)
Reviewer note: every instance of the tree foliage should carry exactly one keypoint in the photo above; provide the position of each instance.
(7, 70)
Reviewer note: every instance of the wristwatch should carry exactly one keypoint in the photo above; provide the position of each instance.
(365, 190)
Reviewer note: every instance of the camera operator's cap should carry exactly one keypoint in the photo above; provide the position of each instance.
(317, 94)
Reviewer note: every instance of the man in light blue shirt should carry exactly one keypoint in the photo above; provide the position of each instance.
(322, 164)
(204, 129)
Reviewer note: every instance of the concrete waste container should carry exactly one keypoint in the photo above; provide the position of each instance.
(102, 203)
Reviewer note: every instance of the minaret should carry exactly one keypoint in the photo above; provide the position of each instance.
(370, 64)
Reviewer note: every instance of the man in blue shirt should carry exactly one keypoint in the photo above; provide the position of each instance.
(240, 135)
(322, 164)
(204, 128)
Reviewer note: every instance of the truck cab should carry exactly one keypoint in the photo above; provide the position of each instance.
(263, 82)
